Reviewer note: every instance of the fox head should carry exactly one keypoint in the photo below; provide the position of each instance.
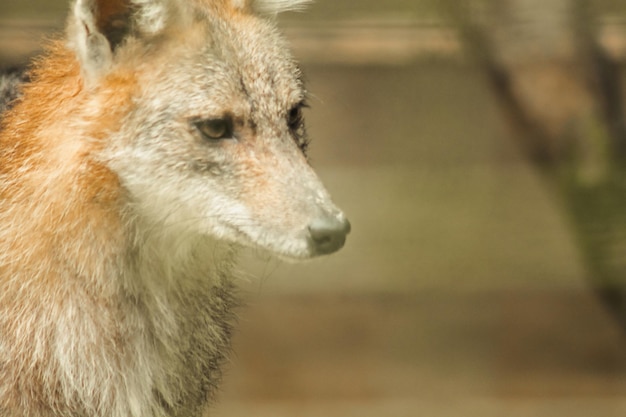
(212, 141)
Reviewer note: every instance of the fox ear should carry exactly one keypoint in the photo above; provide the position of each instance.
(98, 27)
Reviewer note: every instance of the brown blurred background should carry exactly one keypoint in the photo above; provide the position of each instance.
(476, 146)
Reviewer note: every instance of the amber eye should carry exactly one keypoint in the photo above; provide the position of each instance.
(215, 129)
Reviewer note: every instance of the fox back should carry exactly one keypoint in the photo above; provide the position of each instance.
(148, 145)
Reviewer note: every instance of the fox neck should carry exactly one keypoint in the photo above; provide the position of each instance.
(175, 261)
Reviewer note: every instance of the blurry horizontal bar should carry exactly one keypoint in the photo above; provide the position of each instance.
(355, 41)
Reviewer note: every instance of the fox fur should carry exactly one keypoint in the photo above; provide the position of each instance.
(120, 219)
(11, 81)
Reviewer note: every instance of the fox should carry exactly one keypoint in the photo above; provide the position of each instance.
(147, 146)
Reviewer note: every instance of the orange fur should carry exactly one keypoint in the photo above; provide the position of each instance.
(55, 100)
(80, 195)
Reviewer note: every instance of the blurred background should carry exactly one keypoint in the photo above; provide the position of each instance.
(479, 149)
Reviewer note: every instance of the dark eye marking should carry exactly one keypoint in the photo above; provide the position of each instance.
(215, 129)
(295, 122)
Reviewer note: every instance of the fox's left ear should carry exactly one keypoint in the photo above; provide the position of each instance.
(272, 6)
(97, 27)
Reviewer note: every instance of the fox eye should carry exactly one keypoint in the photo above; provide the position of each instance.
(215, 129)
(295, 122)
(294, 118)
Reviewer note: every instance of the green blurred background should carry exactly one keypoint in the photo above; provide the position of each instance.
(462, 289)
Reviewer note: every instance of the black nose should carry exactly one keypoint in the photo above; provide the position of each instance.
(328, 234)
